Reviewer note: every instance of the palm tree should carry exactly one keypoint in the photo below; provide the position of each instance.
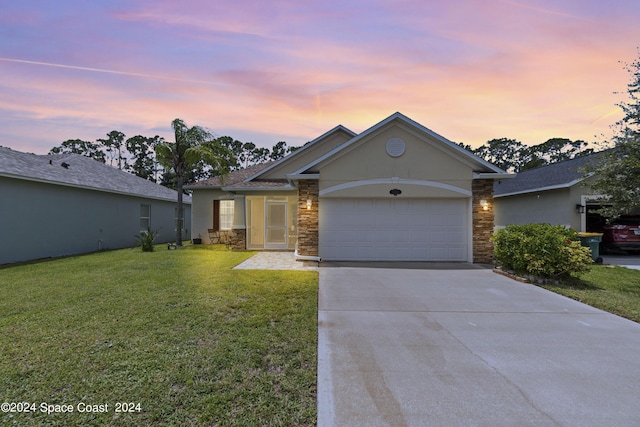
(191, 146)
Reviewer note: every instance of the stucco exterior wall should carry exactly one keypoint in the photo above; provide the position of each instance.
(47, 220)
(202, 211)
(554, 207)
(310, 153)
(423, 160)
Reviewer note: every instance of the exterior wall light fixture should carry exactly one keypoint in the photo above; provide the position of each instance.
(580, 208)
(309, 203)
(484, 204)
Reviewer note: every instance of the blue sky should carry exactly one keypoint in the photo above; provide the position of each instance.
(265, 71)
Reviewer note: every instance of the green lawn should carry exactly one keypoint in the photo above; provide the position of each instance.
(610, 288)
(177, 332)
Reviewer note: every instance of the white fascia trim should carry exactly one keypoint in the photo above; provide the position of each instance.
(491, 175)
(202, 187)
(535, 190)
(300, 150)
(465, 154)
(246, 189)
(349, 143)
(294, 176)
(451, 144)
(394, 181)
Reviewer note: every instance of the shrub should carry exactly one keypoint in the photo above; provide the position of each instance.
(145, 239)
(541, 250)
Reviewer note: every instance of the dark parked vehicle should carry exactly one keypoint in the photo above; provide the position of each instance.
(622, 234)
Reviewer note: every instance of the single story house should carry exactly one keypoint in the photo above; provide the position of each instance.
(66, 204)
(557, 194)
(397, 191)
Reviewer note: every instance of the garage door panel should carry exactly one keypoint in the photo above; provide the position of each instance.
(456, 235)
(392, 229)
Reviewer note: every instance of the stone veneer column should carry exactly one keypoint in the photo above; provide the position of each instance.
(238, 239)
(483, 221)
(308, 218)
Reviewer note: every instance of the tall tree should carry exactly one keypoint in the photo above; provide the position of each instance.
(503, 152)
(280, 150)
(513, 156)
(243, 152)
(465, 146)
(141, 149)
(234, 146)
(114, 146)
(192, 145)
(552, 151)
(259, 155)
(618, 175)
(78, 146)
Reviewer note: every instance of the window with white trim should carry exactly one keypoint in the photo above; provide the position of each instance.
(145, 217)
(226, 214)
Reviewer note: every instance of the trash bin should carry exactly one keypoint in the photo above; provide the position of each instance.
(592, 240)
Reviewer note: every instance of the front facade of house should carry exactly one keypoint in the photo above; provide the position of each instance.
(395, 192)
(58, 205)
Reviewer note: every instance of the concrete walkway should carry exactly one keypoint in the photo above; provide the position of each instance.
(468, 348)
(275, 260)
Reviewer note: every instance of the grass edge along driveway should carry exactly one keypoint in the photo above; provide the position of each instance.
(607, 287)
(165, 338)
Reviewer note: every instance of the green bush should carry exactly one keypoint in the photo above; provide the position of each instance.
(145, 239)
(541, 250)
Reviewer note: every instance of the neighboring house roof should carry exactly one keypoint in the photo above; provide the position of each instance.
(550, 177)
(482, 165)
(74, 170)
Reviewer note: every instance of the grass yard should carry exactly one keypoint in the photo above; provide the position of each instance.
(610, 288)
(175, 337)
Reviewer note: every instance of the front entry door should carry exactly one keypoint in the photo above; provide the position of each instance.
(276, 225)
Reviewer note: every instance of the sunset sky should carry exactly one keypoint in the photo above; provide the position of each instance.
(265, 71)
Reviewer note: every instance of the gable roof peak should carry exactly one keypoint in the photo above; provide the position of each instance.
(301, 150)
(483, 165)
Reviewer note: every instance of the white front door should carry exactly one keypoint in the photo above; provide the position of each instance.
(276, 225)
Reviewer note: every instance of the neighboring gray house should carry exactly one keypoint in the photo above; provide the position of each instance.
(65, 204)
(557, 194)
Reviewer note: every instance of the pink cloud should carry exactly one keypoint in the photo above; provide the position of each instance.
(471, 71)
(546, 11)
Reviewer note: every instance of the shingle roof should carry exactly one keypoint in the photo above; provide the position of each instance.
(272, 184)
(557, 175)
(79, 171)
(232, 178)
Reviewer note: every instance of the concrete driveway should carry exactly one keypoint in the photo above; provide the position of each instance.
(401, 347)
(624, 260)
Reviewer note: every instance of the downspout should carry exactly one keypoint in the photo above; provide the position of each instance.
(305, 257)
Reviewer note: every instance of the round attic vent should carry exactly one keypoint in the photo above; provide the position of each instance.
(395, 147)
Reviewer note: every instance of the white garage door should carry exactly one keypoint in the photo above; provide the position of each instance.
(394, 230)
